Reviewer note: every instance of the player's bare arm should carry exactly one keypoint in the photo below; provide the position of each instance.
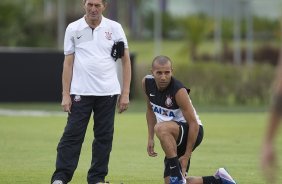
(66, 81)
(268, 154)
(123, 100)
(278, 77)
(184, 102)
(151, 122)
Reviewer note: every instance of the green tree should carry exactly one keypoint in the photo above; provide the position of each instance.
(11, 19)
(22, 24)
(227, 37)
(195, 29)
(168, 22)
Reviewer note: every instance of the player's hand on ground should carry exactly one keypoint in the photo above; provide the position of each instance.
(123, 102)
(150, 149)
(66, 103)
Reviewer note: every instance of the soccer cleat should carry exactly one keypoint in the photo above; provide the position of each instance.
(175, 180)
(224, 176)
(57, 182)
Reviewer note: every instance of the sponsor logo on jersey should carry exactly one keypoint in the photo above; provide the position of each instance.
(163, 112)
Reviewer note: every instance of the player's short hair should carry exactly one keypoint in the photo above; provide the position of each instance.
(104, 1)
(162, 60)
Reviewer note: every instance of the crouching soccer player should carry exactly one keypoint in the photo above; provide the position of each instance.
(171, 116)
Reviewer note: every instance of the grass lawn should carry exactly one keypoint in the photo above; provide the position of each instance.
(232, 140)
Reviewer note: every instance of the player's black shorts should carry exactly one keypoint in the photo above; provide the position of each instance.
(181, 144)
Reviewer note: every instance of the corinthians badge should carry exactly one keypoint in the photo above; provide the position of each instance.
(77, 98)
(168, 101)
(108, 35)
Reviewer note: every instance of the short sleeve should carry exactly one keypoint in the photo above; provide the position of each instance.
(122, 36)
(69, 41)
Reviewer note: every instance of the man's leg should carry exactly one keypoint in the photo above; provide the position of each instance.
(69, 147)
(168, 132)
(203, 180)
(181, 148)
(168, 172)
(194, 180)
(220, 177)
(104, 113)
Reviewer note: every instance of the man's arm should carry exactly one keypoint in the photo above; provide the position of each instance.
(151, 122)
(183, 100)
(66, 82)
(268, 154)
(276, 108)
(126, 78)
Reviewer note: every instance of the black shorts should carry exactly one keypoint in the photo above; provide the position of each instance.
(181, 144)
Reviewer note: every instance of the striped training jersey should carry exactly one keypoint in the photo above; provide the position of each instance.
(163, 102)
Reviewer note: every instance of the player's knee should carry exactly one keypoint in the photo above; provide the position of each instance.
(160, 129)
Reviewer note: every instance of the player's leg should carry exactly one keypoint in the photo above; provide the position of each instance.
(182, 141)
(69, 147)
(104, 113)
(167, 173)
(168, 132)
(203, 180)
(194, 180)
(181, 148)
(220, 177)
(190, 180)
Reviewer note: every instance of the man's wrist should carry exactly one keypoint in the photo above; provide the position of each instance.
(188, 155)
(65, 93)
(125, 93)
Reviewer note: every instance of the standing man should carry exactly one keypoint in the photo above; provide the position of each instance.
(171, 116)
(90, 84)
(268, 153)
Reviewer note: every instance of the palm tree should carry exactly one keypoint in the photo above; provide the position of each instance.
(195, 29)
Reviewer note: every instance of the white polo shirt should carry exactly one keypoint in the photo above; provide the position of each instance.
(94, 70)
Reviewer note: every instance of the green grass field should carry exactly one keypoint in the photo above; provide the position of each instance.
(232, 140)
